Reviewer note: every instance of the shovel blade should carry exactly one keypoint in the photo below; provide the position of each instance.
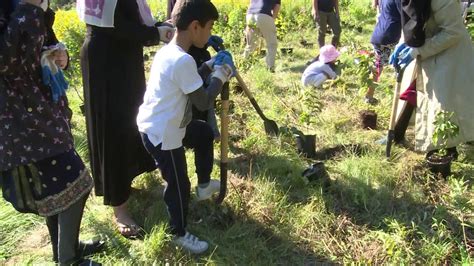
(390, 137)
(271, 127)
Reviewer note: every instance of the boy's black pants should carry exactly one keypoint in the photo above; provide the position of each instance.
(173, 167)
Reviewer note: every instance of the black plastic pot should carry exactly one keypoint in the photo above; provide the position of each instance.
(286, 50)
(440, 165)
(306, 145)
(317, 171)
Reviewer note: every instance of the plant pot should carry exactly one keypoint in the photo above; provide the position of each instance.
(286, 50)
(306, 145)
(440, 165)
(368, 119)
(315, 172)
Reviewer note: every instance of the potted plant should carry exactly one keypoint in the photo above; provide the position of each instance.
(312, 105)
(439, 161)
(365, 73)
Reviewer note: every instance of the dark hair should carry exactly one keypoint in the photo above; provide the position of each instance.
(187, 11)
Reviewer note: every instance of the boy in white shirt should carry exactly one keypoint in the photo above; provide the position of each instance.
(164, 118)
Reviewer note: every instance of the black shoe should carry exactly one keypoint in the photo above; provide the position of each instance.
(86, 248)
(86, 262)
(89, 247)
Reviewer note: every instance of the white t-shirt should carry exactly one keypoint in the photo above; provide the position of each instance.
(316, 68)
(166, 108)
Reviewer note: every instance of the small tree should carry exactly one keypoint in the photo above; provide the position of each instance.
(444, 130)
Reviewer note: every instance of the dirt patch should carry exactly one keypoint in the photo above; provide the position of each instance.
(368, 119)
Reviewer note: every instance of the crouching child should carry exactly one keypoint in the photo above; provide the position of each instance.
(165, 117)
(322, 69)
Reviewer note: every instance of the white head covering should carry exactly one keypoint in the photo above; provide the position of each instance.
(101, 13)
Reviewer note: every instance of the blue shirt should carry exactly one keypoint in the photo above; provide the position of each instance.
(326, 5)
(262, 6)
(388, 29)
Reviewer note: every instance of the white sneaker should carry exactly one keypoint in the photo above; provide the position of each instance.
(191, 243)
(207, 192)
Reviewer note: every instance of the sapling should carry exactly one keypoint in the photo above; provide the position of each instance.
(444, 130)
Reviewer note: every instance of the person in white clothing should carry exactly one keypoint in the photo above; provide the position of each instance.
(260, 19)
(322, 69)
(165, 117)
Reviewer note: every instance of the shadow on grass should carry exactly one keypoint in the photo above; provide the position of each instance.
(243, 240)
(369, 206)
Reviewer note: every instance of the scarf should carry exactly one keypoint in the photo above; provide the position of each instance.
(415, 13)
(101, 13)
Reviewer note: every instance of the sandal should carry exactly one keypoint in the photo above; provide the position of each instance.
(130, 231)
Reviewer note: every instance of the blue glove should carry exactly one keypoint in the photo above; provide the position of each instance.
(225, 58)
(394, 57)
(405, 56)
(215, 41)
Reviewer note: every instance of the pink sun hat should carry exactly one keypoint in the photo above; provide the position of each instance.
(328, 53)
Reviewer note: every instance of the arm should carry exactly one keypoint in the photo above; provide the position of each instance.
(375, 4)
(446, 16)
(204, 71)
(314, 10)
(329, 72)
(275, 11)
(203, 98)
(22, 36)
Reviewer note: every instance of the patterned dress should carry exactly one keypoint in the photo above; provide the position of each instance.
(34, 130)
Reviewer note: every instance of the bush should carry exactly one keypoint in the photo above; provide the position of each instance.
(71, 31)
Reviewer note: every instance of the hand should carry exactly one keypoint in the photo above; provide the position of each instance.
(405, 56)
(166, 33)
(44, 5)
(315, 14)
(225, 58)
(215, 42)
(224, 67)
(394, 57)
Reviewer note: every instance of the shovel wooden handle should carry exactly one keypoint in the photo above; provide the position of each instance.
(250, 96)
(224, 142)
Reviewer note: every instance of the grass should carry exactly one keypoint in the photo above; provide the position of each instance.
(369, 210)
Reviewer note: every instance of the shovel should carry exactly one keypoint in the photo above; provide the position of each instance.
(393, 115)
(271, 127)
(224, 142)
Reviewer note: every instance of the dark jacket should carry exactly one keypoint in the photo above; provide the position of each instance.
(415, 14)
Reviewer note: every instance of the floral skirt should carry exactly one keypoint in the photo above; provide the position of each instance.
(47, 187)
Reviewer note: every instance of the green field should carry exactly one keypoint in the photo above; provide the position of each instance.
(369, 210)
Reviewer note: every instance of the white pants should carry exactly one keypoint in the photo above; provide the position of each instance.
(314, 80)
(264, 25)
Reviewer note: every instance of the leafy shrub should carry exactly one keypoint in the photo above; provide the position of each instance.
(71, 31)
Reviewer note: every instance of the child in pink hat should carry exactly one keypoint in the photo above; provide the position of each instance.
(319, 71)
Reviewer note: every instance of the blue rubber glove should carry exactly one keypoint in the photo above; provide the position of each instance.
(224, 68)
(225, 58)
(215, 42)
(394, 57)
(405, 57)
